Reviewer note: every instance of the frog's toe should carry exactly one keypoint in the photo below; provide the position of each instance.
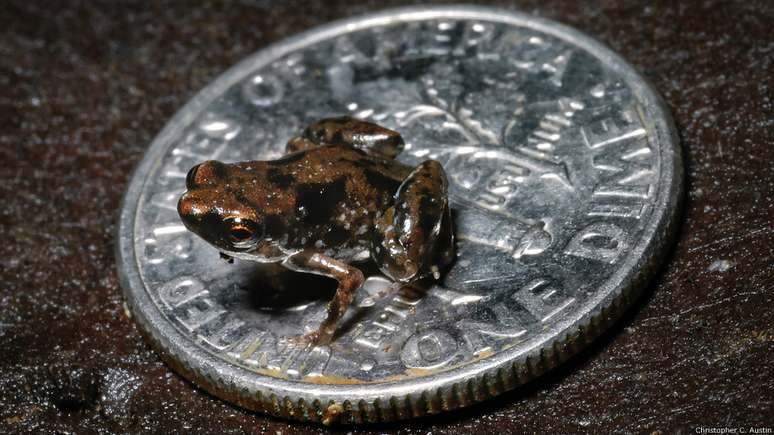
(310, 340)
(401, 271)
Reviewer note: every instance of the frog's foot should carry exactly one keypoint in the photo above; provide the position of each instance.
(349, 278)
(392, 289)
(414, 237)
(367, 136)
(307, 341)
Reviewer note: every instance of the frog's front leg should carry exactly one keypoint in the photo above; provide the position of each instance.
(414, 238)
(349, 278)
(367, 136)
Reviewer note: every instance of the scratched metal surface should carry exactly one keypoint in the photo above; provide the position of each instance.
(84, 90)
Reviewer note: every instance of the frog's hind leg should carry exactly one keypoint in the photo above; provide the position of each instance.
(299, 143)
(367, 136)
(444, 245)
(414, 237)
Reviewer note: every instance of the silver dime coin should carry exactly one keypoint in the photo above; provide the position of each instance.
(565, 179)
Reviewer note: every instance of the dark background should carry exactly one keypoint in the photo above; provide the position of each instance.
(85, 86)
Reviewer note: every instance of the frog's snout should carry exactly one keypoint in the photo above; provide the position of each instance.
(186, 208)
(192, 206)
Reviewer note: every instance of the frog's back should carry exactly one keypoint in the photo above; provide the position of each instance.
(366, 180)
(328, 196)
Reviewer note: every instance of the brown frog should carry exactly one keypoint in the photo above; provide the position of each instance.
(338, 197)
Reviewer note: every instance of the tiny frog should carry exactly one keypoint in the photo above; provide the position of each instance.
(337, 197)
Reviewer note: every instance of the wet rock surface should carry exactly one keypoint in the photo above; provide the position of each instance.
(85, 86)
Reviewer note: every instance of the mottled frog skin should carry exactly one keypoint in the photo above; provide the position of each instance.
(337, 197)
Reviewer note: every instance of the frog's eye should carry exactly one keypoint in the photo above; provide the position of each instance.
(241, 231)
(206, 173)
(240, 234)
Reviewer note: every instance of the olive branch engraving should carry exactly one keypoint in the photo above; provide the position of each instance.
(459, 119)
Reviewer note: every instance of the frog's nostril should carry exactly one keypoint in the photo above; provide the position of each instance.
(184, 206)
(190, 179)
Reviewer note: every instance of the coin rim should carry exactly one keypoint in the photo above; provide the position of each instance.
(440, 391)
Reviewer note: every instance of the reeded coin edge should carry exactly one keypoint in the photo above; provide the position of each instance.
(446, 390)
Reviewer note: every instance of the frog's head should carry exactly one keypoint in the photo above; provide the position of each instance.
(214, 207)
